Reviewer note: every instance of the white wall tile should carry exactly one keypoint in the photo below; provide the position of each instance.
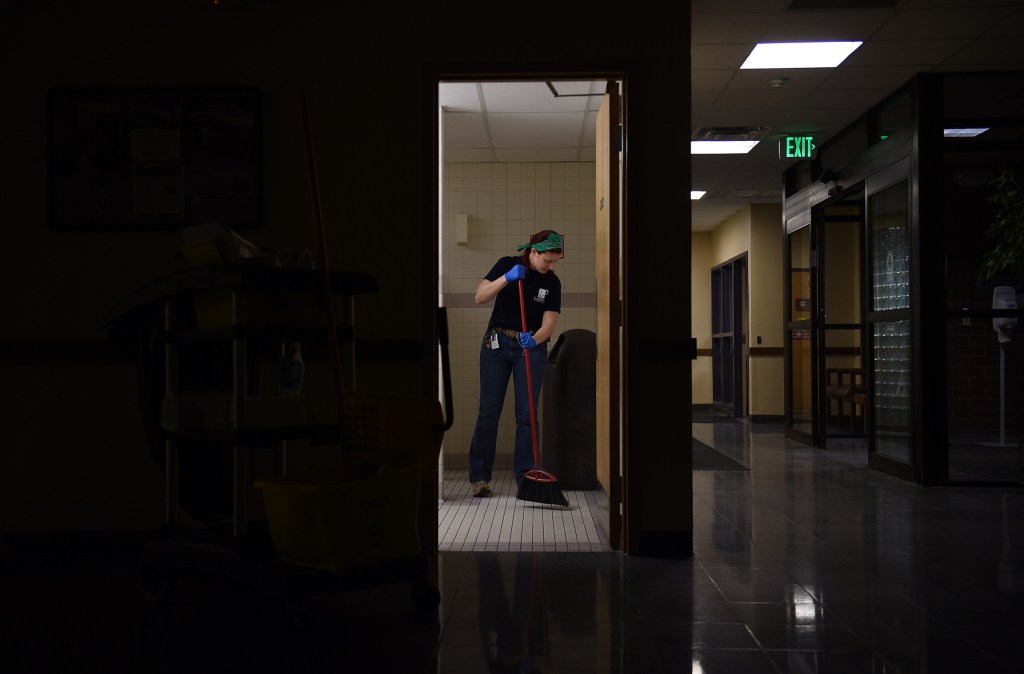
(506, 203)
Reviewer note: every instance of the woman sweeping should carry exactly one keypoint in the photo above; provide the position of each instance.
(502, 352)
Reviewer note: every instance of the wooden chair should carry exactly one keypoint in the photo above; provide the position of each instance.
(845, 386)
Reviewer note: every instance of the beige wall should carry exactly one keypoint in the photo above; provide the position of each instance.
(767, 373)
(505, 204)
(700, 310)
(731, 238)
(757, 231)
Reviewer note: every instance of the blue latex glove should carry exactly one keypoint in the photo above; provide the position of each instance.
(515, 273)
(526, 339)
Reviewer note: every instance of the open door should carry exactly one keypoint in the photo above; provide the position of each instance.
(609, 313)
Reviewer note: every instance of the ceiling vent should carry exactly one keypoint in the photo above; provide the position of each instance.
(731, 133)
(841, 4)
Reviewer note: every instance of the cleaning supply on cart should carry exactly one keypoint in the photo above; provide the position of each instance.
(293, 370)
(539, 485)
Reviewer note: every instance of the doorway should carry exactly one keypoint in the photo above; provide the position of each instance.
(729, 344)
(827, 373)
(507, 170)
(842, 390)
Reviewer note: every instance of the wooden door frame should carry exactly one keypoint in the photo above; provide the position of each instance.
(609, 306)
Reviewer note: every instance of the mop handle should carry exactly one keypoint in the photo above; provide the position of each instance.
(325, 273)
(529, 378)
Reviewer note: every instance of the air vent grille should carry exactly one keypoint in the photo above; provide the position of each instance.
(841, 4)
(731, 133)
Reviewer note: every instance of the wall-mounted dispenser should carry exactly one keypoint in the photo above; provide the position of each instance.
(1004, 297)
(462, 228)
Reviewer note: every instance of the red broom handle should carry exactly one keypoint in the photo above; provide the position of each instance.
(529, 378)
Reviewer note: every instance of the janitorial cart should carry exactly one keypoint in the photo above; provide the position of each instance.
(290, 492)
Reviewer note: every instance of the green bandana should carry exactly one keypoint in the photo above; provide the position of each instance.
(553, 241)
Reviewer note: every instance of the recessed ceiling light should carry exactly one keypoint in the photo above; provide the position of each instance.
(963, 133)
(799, 54)
(697, 194)
(722, 146)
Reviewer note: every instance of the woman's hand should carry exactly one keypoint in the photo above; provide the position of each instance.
(526, 340)
(515, 273)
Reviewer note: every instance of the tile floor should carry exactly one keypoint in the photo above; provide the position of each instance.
(808, 562)
(503, 523)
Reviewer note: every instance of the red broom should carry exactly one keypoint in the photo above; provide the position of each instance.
(538, 485)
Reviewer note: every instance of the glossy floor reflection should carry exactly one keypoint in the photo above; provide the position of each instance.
(808, 562)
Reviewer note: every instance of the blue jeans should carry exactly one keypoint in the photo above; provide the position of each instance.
(495, 367)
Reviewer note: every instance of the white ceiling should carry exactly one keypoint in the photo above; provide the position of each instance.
(525, 121)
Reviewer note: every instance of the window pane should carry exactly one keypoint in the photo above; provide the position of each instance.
(891, 408)
(890, 248)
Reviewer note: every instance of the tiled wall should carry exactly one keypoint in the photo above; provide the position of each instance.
(505, 204)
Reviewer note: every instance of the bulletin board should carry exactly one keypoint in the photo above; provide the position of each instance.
(154, 158)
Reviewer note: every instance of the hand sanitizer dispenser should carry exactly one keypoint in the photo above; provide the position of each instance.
(1004, 297)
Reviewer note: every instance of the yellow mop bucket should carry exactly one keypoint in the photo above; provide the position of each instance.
(319, 521)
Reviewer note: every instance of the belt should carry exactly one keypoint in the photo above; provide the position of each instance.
(514, 334)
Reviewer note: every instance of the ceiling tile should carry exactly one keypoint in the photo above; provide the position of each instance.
(931, 4)
(1002, 52)
(464, 129)
(940, 24)
(904, 53)
(530, 97)
(511, 130)
(723, 117)
(852, 99)
(730, 27)
(588, 134)
(718, 56)
(776, 99)
(538, 154)
(710, 80)
(807, 26)
(1011, 26)
(868, 78)
(800, 79)
(737, 6)
(468, 156)
(459, 96)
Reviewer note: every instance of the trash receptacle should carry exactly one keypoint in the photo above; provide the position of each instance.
(569, 431)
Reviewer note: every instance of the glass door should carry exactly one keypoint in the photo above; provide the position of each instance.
(889, 327)
(729, 347)
(842, 390)
(801, 423)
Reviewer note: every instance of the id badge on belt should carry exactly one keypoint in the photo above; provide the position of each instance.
(493, 341)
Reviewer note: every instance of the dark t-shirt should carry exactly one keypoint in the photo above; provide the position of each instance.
(541, 292)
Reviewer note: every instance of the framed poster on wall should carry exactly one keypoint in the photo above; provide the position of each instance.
(154, 158)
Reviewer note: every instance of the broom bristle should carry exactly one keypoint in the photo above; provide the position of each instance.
(542, 491)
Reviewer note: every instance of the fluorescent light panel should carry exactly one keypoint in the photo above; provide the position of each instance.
(963, 133)
(697, 194)
(722, 146)
(798, 55)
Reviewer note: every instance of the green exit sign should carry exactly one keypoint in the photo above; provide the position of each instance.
(797, 147)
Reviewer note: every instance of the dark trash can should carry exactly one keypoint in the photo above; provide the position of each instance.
(569, 431)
